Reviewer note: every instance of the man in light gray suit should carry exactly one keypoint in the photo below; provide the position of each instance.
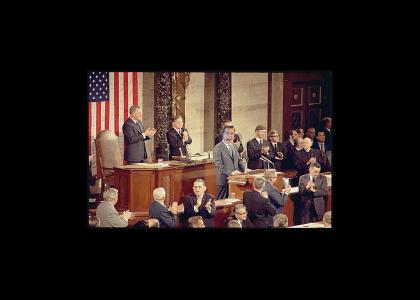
(107, 214)
(312, 189)
(227, 161)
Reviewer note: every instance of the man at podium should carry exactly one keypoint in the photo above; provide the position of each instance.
(227, 161)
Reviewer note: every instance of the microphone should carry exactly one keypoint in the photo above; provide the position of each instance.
(267, 161)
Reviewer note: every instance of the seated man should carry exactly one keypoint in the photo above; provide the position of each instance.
(234, 224)
(312, 189)
(240, 215)
(107, 214)
(167, 218)
(200, 203)
(258, 205)
(327, 219)
(196, 222)
(280, 221)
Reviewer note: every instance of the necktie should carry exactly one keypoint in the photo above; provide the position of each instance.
(275, 146)
(230, 150)
(261, 142)
(322, 147)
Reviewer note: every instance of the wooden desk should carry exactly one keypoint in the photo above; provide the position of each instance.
(136, 184)
(223, 212)
(246, 182)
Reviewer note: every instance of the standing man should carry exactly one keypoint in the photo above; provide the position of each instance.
(227, 161)
(312, 189)
(236, 140)
(135, 137)
(324, 148)
(200, 203)
(258, 205)
(276, 148)
(288, 149)
(178, 138)
(327, 129)
(306, 156)
(258, 147)
(310, 133)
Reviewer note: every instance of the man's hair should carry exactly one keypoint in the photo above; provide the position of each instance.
(310, 128)
(174, 118)
(314, 165)
(270, 173)
(238, 207)
(200, 180)
(93, 221)
(227, 121)
(320, 132)
(327, 217)
(234, 224)
(133, 108)
(110, 194)
(308, 139)
(288, 134)
(228, 127)
(259, 182)
(280, 221)
(193, 221)
(260, 127)
(325, 120)
(272, 132)
(159, 193)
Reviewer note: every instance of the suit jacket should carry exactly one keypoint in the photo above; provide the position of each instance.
(302, 157)
(274, 150)
(175, 142)
(320, 191)
(328, 136)
(277, 199)
(219, 138)
(254, 154)
(288, 151)
(258, 208)
(325, 159)
(225, 163)
(108, 216)
(191, 199)
(245, 224)
(134, 142)
(160, 212)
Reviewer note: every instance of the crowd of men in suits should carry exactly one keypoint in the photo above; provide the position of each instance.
(309, 154)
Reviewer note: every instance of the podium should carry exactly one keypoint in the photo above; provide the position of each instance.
(135, 183)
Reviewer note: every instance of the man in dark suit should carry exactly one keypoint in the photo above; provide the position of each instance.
(310, 133)
(178, 138)
(236, 140)
(135, 137)
(306, 156)
(200, 203)
(227, 161)
(327, 129)
(288, 146)
(312, 189)
(258, 147)
(276, 148)
(241, 216)
(157, 210)
(323, 148)
(258, 205)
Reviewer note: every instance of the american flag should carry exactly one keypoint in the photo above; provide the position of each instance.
(110, 96)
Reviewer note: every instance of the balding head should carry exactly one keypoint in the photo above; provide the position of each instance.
(307, 143)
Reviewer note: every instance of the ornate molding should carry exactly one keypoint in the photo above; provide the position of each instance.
(223, 99)
(180, 82)
(163, 112)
